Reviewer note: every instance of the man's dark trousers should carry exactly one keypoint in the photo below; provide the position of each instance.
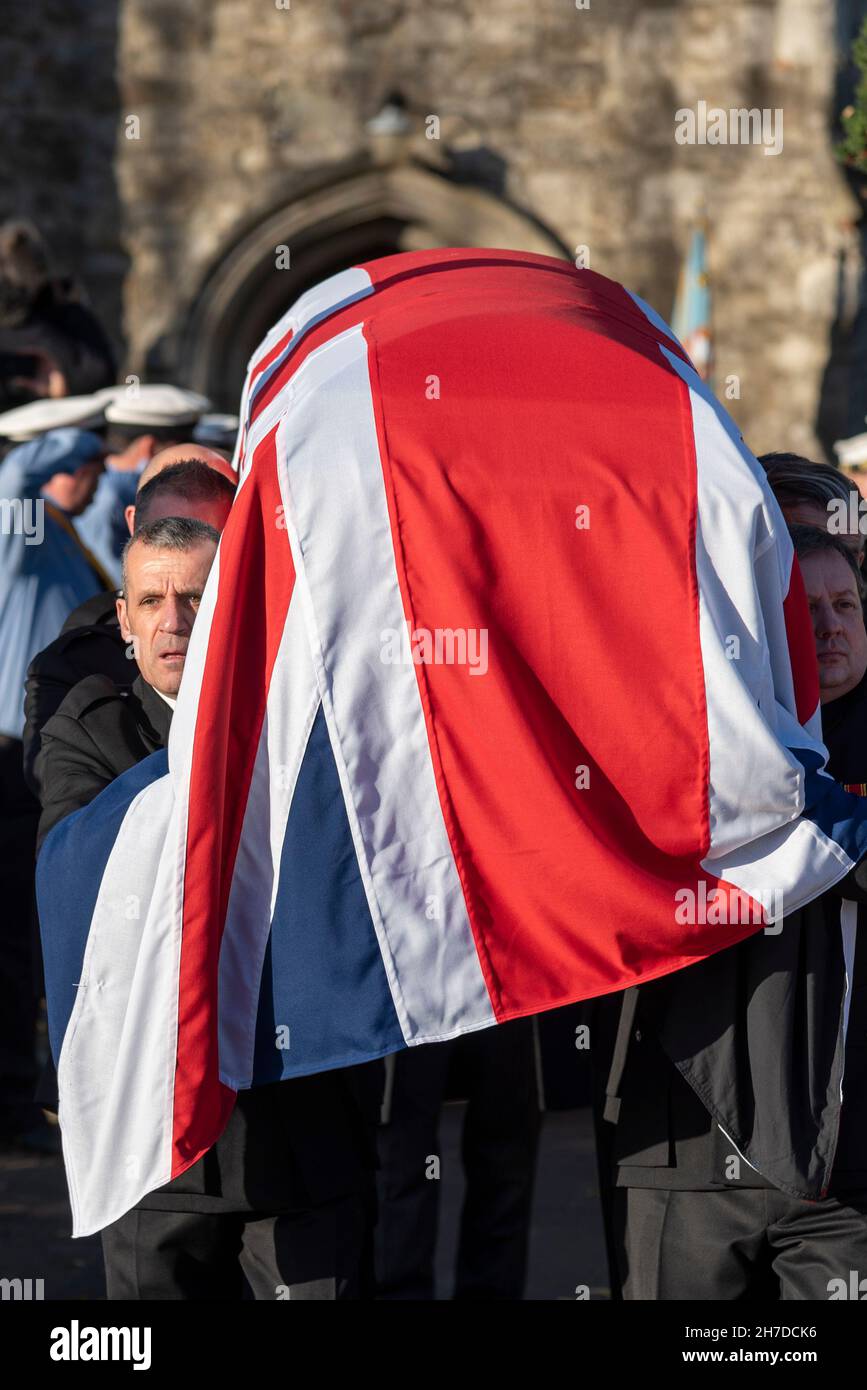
(323, 1253)
(500, 1139)
(744, 1245)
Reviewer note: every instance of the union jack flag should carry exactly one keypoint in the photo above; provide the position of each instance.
(503, 648)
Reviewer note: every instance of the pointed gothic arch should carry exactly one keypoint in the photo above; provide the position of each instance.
(357, 217)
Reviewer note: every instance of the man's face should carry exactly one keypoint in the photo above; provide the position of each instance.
(74, 491)
(163, 591)
(838, 623)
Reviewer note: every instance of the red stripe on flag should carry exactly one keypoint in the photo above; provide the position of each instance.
(802, 645)
(270, 356)
(481, 272)
(570, 891)
(256, 371)
(255, 585)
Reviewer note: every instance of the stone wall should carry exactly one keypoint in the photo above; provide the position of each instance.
(59, 104)
(565, 114)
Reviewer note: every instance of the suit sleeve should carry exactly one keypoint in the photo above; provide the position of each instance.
(44, 692)
(70, 770)
(854, 886)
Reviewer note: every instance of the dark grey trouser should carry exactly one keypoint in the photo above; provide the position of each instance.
(748, 1244)
(499, 1143)
(323, 1253)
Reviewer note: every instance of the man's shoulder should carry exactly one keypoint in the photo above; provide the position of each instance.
(126, 720)
(93, 692)
(100, 726)
(81, 650)
(96, 699)
(98, 610)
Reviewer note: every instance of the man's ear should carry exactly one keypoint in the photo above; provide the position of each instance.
(129, 515)
(120, 609)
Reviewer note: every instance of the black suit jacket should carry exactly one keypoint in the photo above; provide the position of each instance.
(99, 731)
(289, 1145)
(752, 1039)
(90, 643)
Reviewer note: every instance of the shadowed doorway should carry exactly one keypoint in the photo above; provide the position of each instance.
(358, 218)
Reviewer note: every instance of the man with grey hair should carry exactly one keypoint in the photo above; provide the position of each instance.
(177, 482)
(813, 494)
(102, 729)
(285, 1198)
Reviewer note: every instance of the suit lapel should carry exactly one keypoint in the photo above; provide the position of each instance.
(157, 713)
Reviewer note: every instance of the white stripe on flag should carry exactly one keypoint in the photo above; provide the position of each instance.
(117, 1065)
(849, 931)
(334, 293)
(341, 542)
(293, 700)
(315, 304)
(759, 842)
(186, 710)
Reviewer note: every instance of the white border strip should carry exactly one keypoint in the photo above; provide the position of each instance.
(293, 700)
(315, 304)
(759, 842)
(117, 1064)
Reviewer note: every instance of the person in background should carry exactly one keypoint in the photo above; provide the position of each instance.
(500, 1068)
(184, 486)
(285, 1197)
(218, 432)
(186, 480)
(140, 422)
(770, 1036)
(51, 343)
(45, 571)
(807, 493)
(28, 422)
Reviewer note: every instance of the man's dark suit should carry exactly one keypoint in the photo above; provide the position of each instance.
(287, 1192)
(89, 643)
(757, 1030)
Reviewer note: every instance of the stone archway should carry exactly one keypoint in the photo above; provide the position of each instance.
(357, 217)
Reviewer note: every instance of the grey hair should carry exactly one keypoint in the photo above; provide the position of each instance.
(169, 533)
(794, 478)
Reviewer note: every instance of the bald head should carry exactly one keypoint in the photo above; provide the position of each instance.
(181, 453)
